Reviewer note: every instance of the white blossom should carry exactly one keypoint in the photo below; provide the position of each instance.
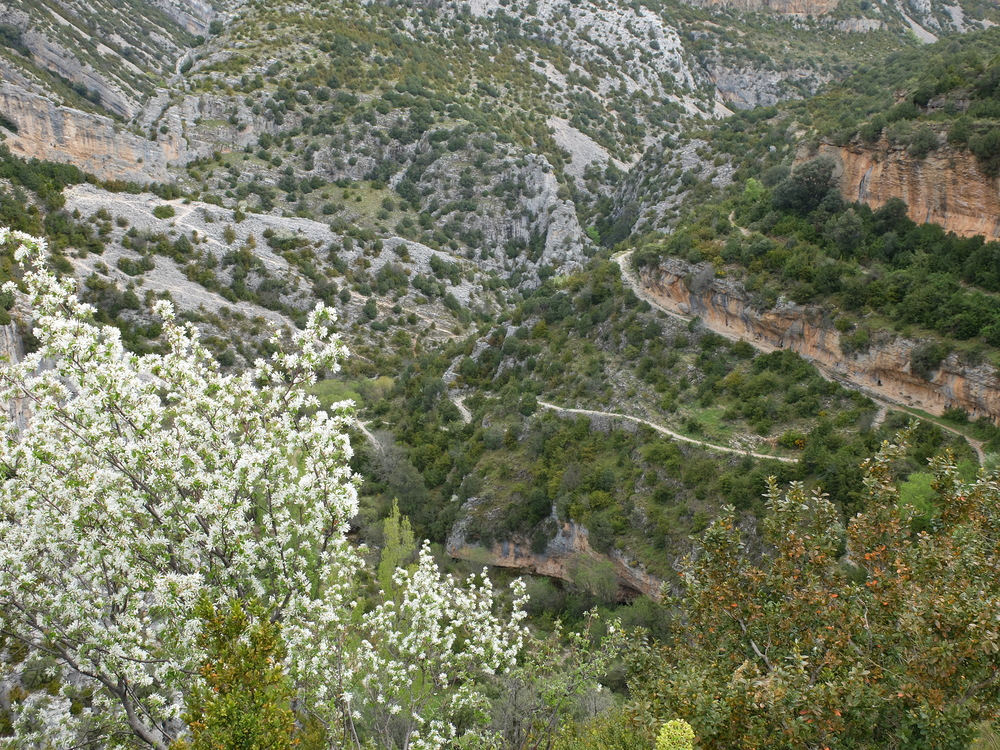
(143, 483)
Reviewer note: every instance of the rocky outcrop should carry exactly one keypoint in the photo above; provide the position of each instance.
(746, 88)
(724, 306)
(113, 54)
(561, 558)
(539, 217)
(947, 187)
(192, 15)
(859, 25)
(790, 7)
(65, 64)
(92, 142)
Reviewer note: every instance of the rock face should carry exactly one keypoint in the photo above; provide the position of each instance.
(92, 142)
(561, 559)
(113, 96)
(192, 15)
(747, 87)
(946, 188)
(725, 307)
(791, 7)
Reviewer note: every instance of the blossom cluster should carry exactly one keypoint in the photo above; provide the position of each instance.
(144, 483)
(435, 638)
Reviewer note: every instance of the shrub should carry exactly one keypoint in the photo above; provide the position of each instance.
(922, 142)
(927, 357)
(986, 147)
(676, 734)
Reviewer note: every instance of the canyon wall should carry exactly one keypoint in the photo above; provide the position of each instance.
(562, 558)
(947, 187)
(725, 307)
(791, 7)
(93, 143)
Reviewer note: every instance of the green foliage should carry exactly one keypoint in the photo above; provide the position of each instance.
(558, 675)
(926, 357)
(854, 259)
(244, 698)
(399, 548)
(164, 211)
(806, 188)
(986, 147)
(676, 734)
(803, 649)
(611, 730)
(10, 37)
(917, 496)
(922, 142)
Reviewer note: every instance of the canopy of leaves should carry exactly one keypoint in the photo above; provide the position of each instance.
(893, 646)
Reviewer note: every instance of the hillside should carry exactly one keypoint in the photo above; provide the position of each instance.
(431, 172)
(602, 267)
(868, 274)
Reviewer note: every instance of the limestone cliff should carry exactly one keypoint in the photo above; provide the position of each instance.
(561, 558)
(92, 142)
(947, 187)
(725, 307)
(791, 7)
(192, 15)
(746, 87)
(112, 54)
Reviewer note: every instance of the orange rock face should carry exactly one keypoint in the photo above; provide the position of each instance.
(946, 188)
(92, 142)
(883, 371)
(560, 560)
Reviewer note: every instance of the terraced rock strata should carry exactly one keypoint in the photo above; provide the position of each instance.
(724, 306)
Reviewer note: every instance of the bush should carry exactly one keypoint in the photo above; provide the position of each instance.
(164, 211)
(986, 147)
(927, 357)
(676, 734)
(958, 135)
(806, 188)
(923, 141)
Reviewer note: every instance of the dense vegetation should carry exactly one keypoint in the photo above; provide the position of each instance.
(385, 125)
(772, 660)
(588, 342)
(914, 98)
(795, 237)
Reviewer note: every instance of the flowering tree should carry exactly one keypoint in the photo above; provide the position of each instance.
(143, 485)
(409, 657)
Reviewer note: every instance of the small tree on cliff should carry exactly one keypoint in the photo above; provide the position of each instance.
(805, 189)
(897, 648)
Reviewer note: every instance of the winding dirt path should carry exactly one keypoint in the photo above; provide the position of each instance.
(663, 430)
(631, 278)
(459, 401)
(373, 441)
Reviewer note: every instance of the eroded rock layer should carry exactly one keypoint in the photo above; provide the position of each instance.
(724, 306)
(791, 7)
(92, 142)
(947, 187)
(563, 558)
